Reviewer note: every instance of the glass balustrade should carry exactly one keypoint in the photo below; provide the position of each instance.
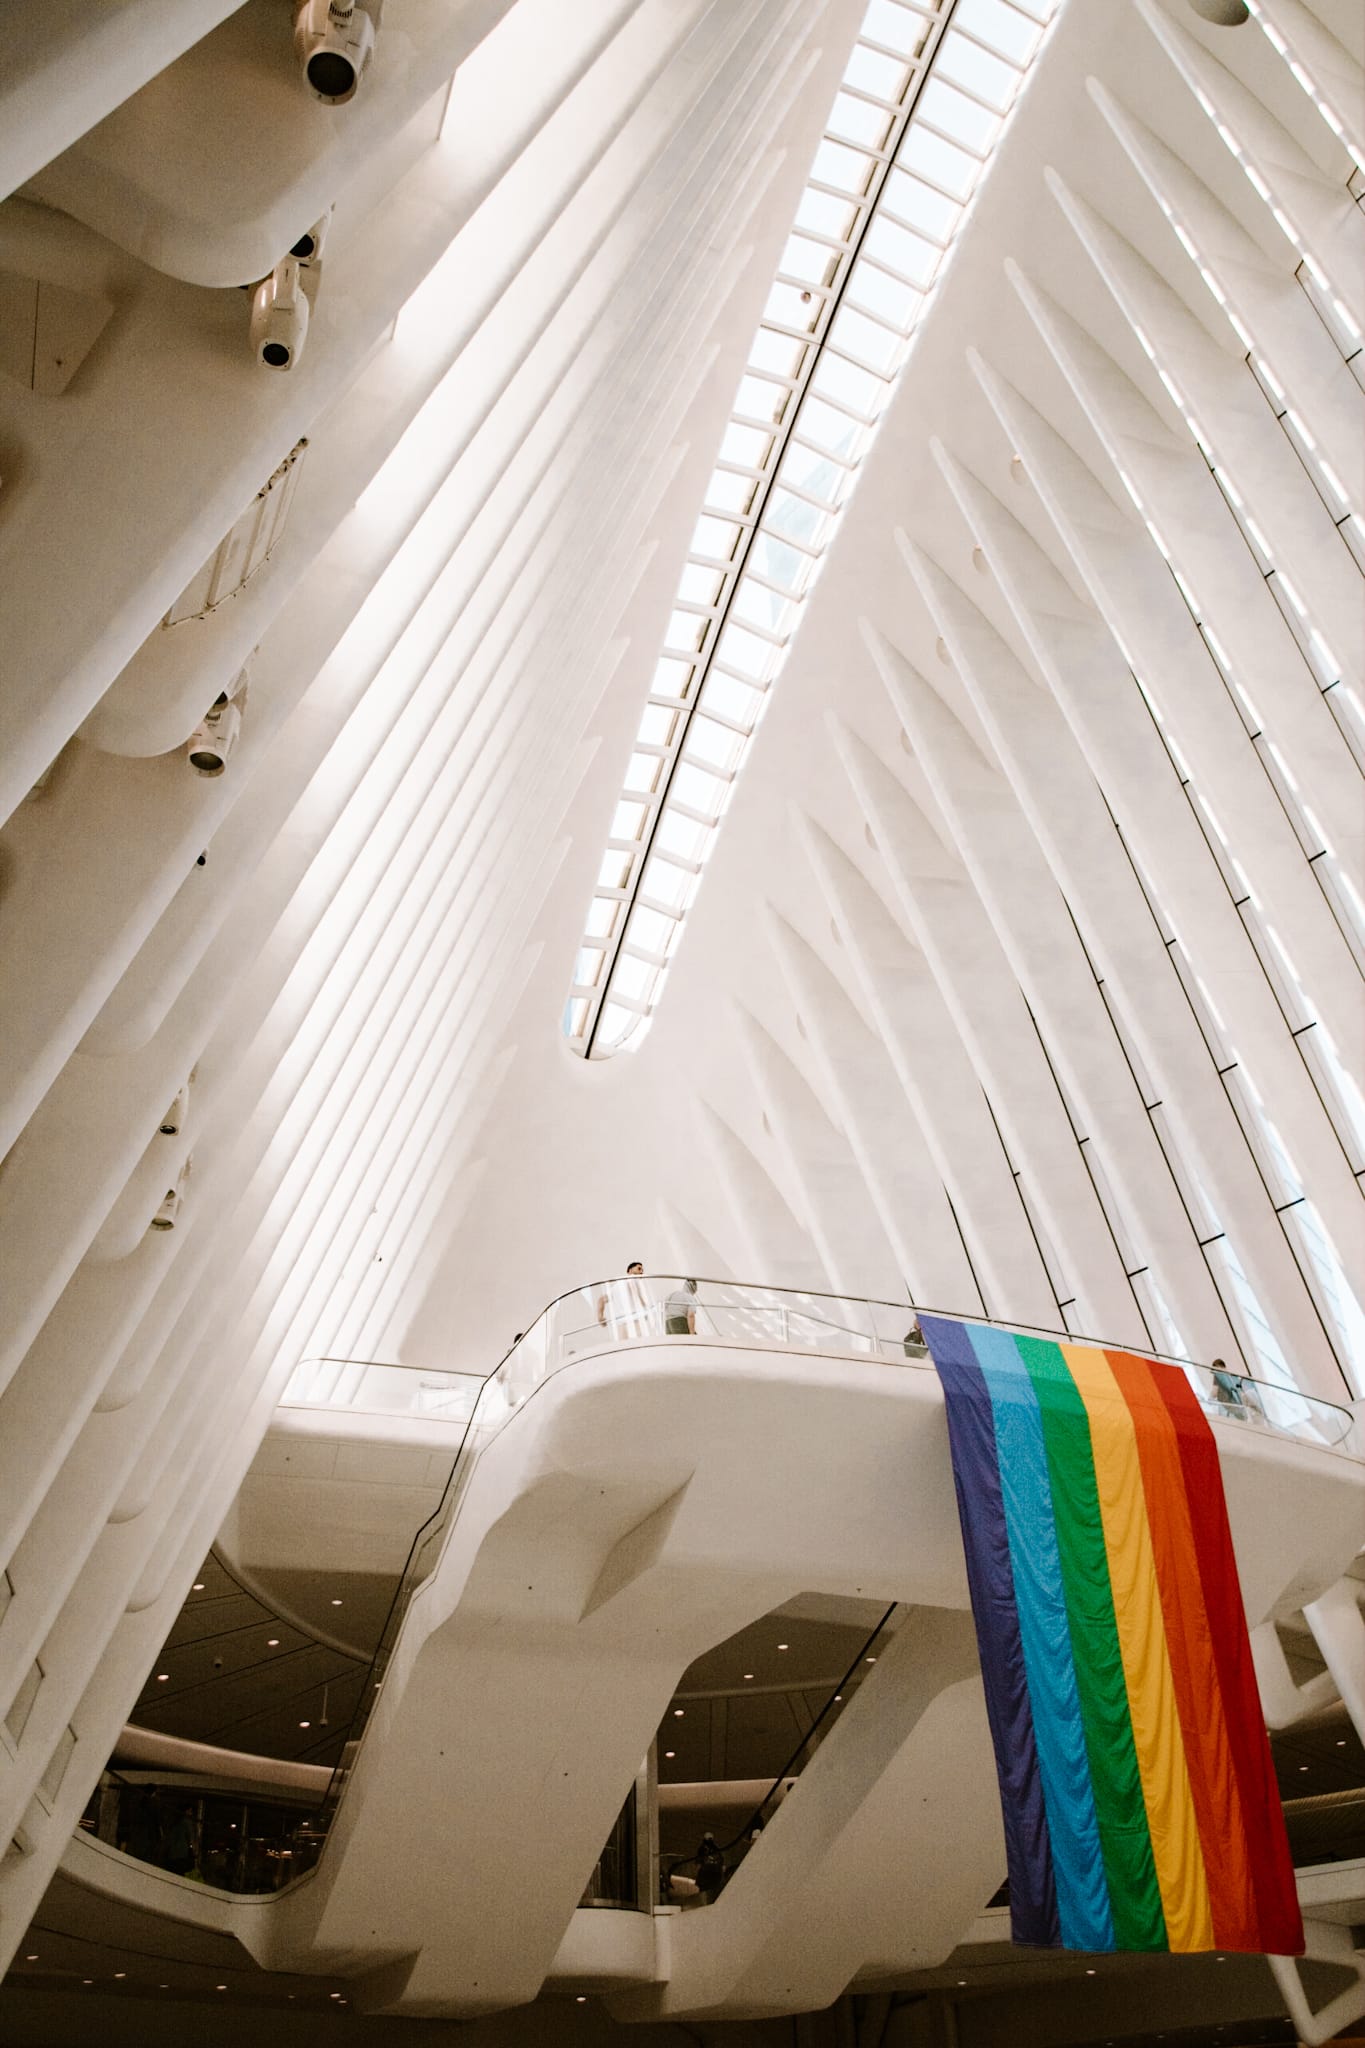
(257, 1843)
(229, 1841)
(659, 1308)
(673, 1314)
(367, 1387)
(677, 1309)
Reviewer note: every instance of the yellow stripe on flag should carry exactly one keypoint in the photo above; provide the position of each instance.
(1152, 1704)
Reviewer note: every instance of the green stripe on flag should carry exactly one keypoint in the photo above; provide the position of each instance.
(1125, 1840)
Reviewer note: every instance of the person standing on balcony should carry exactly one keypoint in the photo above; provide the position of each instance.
(680, 1310)
(1227, 1389)
(623, 1307)
(710, 1868)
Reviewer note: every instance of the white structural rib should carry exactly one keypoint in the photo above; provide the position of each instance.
(919, 109)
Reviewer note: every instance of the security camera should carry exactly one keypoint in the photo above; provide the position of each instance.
(308, 247)
(169, 1210)
(215, 736)
(334, 41)
(279, 316)
(173, 1121)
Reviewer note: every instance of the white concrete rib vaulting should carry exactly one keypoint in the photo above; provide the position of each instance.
(1027, 973)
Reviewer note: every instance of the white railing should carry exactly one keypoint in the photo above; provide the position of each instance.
(679, 1310)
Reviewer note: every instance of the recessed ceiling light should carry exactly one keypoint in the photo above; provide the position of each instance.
(582, 1998)
(1090, 1973)
(272, 1642)
(87, 1980)
(871, 1660)
(748, 1674)
(30, 1959)
(334, 1994)
(670, 1752)
(120, 1973)
(838, 1696)
(162, 1676)
(336, 1603)
(220, 1987)
(198, 1586)
(782, 1646)
(305, 1724)
(1342, 1743)
(678, 1713)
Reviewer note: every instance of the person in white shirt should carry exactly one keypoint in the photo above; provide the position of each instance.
(622, 1306)
(680, 1310)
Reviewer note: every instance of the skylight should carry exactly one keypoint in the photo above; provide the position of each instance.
(920, 106)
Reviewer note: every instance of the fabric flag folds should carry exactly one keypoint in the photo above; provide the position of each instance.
(1140, 1805)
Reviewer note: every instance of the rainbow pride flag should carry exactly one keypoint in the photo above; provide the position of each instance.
(1140, 1804)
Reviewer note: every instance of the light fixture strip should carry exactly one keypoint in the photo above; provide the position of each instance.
(780, 482)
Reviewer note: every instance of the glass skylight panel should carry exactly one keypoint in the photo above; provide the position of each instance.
(905, 254)
(730, 698)
(664, 881)
(901, 153)
(890, 298)
(876, 72)
(656, 725)
(1000, 26)
(965, 63)
(847, 170)
(964, 119)
(728, 492)
(861, 121)
(759, 398)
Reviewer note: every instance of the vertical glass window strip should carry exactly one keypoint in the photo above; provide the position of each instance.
(1114, 1213)
(1324, 478)
(918, 111)
(1343, 1099)
(1165, 1332)
(1261, 1346)
(1335, 1297)
(1302, 73)
(1204, 1220)
(1063, 1293)
(1338, 320)
(1336, 886)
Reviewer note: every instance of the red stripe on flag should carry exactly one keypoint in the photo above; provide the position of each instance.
(1280, 1924)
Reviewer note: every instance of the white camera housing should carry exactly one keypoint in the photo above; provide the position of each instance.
(168, 1213)
(333, 41)
(279, 316)
(173, 1122)
(308, 248)
(215, 736)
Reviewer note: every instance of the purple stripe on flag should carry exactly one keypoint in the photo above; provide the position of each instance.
(985, 1540)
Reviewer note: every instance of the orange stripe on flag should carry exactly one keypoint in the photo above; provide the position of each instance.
(1189, 1642)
